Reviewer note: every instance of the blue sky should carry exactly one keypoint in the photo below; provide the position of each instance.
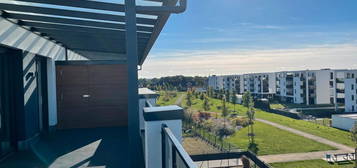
(240, 36)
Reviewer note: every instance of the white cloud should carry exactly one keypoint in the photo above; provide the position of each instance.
(234, 61)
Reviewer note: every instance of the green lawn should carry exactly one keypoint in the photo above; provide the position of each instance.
(272, 140)
(172, 98)
(276, 105)
(330, 133)
(312, 164)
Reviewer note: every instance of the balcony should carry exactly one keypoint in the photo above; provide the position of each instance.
(161, 129)
(340, 90)
(340, 80)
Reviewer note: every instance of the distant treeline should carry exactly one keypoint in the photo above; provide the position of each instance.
(180, 83)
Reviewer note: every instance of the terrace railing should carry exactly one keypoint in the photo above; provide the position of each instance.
(161, 128)
(173, 153)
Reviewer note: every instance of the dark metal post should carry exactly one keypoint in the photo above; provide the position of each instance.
(135, 156)
(66, 53)
(174, 164)
(163, 146)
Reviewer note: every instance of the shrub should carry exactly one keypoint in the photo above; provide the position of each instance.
(204, 115)
(240, 121)
(208, 124)
(225, 131)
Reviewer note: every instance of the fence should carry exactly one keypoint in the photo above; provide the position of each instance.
(210, 138)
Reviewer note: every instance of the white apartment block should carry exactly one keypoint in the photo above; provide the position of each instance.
(306, 87)
(260, 84)
(325, 86)
(226, 82)
(347, 90)
(215, 82)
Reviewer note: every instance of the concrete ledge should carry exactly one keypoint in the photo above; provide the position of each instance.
(145, 93)
(173, 112)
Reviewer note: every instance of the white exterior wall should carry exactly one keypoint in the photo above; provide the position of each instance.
(15, 36)
(350, 95)
(298, 91)
(344, 123)
(322, 86)
(153, 143)
(257, 81)
(52, 94)
(272, 82)
(283, 85)
(241, 81)
(142, 104)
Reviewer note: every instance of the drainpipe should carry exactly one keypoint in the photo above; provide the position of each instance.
(163, 9)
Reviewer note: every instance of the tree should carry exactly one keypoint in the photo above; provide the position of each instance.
(353, 132)
(225, 111)
(188, 99)
(206, 105)
(228, 96)
(249, 103)
(234, 99)
(202, 96)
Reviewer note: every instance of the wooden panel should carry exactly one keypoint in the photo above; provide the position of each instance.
(72, 75)
(106, 103)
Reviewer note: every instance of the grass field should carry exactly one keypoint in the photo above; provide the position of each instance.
(195, 146)
(276, 105)
(172, 98)
(312, 164)
(272, 140)
(330, 133)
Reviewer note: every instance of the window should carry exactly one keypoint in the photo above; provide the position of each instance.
(331, 84)
(352, 87)
(353, 75)
(353, 97)
(348, 75)
(331, 75)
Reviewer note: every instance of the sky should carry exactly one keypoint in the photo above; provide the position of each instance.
(244, 36)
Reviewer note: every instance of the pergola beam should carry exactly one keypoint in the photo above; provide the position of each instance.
(107, 6)
(77, 28)
(72, 13)
(86, 33)
(82, 4)
(77, 22)
(158, 28)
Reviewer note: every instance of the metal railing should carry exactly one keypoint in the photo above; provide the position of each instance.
(173, 153)
(255, 161)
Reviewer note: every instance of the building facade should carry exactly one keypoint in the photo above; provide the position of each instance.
(324, 86)
(350, 92)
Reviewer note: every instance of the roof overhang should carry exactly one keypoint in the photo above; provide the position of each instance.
(93, 29)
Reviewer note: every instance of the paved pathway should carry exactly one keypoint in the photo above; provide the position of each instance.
(293, 156)
(309, 136)
(303, 156)
(290, 157)
(179, 100)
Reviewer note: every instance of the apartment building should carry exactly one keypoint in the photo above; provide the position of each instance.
(306, 87)
(215, 82)
(226, 82)
(346, 89)
(261, 85)
(324, 86)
